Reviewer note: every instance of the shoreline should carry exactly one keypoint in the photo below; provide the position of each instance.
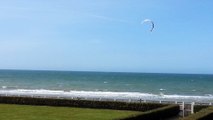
(97, 95)
(186, 107)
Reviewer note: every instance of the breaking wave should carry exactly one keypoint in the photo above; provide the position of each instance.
(106, 95)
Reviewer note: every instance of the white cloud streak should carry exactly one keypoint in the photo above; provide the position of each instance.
(111, 19)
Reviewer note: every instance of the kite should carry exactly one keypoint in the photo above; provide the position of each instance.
(149, 21)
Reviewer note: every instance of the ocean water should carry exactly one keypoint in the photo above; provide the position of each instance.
(150, 86)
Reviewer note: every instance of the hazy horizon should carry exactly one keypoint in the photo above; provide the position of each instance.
(54, 70)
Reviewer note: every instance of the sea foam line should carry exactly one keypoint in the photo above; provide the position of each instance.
(106, 95)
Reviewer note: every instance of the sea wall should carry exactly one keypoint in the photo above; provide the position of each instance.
(80, 103)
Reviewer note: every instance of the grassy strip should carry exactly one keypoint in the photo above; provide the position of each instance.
(204, 114)
(197, 108)
(28, 112)
(81, 103)
(157, 114)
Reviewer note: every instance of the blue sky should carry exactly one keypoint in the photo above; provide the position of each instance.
(107, 35)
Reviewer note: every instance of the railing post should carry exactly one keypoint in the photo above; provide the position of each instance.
(183, 108)
(192, 107)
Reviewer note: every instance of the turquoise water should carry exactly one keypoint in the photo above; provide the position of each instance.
(151, 83)
(108, 85)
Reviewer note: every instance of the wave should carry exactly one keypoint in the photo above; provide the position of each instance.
(4, 87)
(107, 95)
(162, 89)
(9, 87)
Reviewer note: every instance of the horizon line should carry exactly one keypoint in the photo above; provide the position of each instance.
(99, 71)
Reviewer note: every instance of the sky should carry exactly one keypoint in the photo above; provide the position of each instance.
(107, 35)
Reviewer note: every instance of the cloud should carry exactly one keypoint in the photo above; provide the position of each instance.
(14, 8)
(110, 19)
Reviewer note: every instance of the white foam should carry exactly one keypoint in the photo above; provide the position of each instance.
(162, 89)
(4, 87)
(107, 95)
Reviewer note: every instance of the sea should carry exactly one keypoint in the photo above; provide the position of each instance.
(114, 85)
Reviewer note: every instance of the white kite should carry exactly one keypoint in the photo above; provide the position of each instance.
(149, 21)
